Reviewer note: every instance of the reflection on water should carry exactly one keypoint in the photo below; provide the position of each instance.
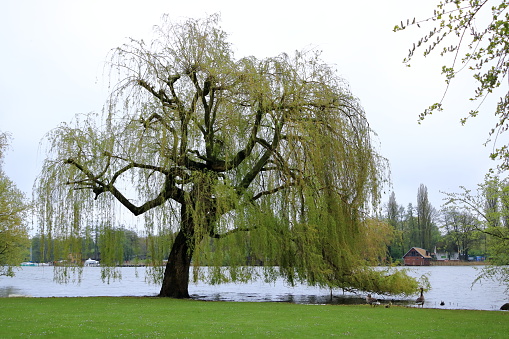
(450, 284)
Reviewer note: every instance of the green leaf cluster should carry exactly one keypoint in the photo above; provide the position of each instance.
(13, 227)
(489, 204)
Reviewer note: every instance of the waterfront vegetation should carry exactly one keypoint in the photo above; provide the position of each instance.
(164, 317)
(240, 162)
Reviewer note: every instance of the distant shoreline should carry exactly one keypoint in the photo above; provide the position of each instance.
(457, 263)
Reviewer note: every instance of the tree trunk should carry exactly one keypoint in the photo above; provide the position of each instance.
(176, 275)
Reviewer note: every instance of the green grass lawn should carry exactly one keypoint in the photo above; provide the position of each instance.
(110, 317)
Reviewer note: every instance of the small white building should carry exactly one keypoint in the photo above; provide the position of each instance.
(441, 256)
(91, 262)
(447, 256)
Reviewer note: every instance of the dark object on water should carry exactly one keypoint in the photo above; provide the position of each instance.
(442, 303)
(420, 300)
(505, 307)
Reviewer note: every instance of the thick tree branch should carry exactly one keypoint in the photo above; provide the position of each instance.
(262, 161)
(93, 180)
(161, 94)
(246, 152)
(491, 232)
(272, 191)
(230, 232)
(169, 190)
(154, 116)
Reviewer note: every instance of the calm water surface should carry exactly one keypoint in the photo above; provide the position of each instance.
(450, 284)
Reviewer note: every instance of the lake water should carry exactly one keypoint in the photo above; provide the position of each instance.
(451, 284)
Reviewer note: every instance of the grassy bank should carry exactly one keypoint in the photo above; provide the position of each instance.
(153, 317)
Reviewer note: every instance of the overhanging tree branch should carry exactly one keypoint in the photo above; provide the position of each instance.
(272, 191)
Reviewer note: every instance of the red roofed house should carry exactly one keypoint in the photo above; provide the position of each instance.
(417, 257)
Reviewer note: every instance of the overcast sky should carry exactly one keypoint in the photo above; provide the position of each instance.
(53, 53)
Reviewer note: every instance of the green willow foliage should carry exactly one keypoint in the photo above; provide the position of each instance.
(13, 212)
(237, 160)
(489, 204)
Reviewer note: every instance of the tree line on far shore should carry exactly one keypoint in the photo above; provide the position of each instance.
(468, 225)
(462, 229)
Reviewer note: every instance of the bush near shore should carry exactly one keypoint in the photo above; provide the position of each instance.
(101, 317)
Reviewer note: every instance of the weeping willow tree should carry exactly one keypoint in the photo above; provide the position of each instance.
(233, 160)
